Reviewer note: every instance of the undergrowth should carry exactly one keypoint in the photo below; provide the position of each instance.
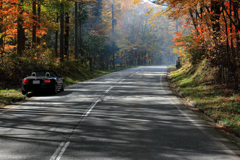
(14, 68)
(198, 83)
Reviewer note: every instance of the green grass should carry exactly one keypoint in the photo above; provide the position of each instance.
(198, 84)
(10, 93)
(8, 96)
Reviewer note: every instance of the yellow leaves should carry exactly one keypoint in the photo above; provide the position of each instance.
(150, 20)
(154, 16)
(180, 51)
(136, 1)
(149, 11)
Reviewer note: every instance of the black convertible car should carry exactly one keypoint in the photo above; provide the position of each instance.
(43, 80)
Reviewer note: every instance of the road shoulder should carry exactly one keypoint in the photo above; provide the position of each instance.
(197, 110)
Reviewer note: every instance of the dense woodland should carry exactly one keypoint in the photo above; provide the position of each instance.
(100, 34)
(87, 34)
(215, 29)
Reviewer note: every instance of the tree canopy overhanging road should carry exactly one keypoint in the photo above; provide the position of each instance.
(130, 114)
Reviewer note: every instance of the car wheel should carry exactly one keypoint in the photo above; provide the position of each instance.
(55, 89)
(24, 92)
(62, 88)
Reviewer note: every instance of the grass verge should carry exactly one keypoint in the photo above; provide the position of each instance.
(197, 83)
(11, 93)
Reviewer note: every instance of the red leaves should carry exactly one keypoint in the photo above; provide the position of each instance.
(178, 33)
(175, 38)
(227, 4)
(180, 44)
(41, 32)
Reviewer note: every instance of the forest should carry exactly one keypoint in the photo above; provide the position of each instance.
(214, 36)
(67, 35)
(84, 39)
(84, 36)
(90, 35)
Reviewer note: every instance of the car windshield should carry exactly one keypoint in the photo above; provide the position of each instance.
(53, 73)
(43, 73)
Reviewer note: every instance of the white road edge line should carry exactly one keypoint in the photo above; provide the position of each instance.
(131, 75)
(220, 144)
(108, 89)
(91, 108)
(62, 151)
(55, 154)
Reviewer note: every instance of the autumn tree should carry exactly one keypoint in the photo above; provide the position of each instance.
(215, 33)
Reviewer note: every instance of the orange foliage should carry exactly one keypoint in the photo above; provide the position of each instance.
(178, 33)
(9, 13)
(9, 48)
(216, 25)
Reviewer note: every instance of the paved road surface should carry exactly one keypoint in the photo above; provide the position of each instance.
(127, 115)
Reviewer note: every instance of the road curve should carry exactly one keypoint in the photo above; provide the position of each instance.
(130, 114)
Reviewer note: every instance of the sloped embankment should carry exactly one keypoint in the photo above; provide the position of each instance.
(197, 82)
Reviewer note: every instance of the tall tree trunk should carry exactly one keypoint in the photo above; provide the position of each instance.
(228, 55)
(215, 7)
(61, 31)
(38, 19)
(193, 20)
(56, 40)
(233, 69)
(1, 31)
(66, 34)
(113, 53)
(80, 35)
(20, 32)
(34, 23)
(76, 33)
(237, 27)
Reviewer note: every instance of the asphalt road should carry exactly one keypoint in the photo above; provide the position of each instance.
(130, 114)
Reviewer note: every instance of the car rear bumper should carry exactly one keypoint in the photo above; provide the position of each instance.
(36, 88)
